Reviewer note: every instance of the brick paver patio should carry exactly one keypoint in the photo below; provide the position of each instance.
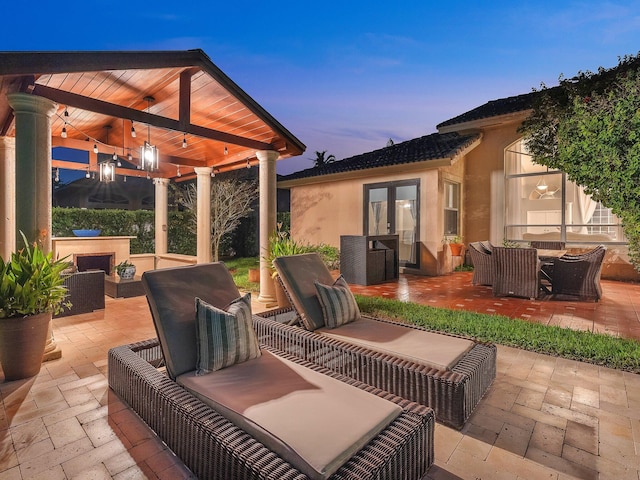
(544, 417)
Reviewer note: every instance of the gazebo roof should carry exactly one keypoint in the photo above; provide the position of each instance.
(167, 96)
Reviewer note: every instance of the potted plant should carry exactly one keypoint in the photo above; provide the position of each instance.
(281, 244)
(31, 291)
(126, 270)
(455, 244)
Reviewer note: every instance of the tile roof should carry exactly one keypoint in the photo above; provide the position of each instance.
(430, 147)
(494, 108)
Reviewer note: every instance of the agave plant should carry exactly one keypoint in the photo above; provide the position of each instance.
(31, 282)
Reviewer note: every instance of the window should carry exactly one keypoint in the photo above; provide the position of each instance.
(542, 204)
(451, 208)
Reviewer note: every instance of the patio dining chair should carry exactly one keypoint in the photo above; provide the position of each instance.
(579, 274)
(483, 268)
(445, 372)
(517, 272)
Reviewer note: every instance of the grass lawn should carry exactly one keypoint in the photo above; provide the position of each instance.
(597, 348)
(600, 349)
(239, 268)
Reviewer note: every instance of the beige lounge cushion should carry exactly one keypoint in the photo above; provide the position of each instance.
(427, 348)
(313, 421)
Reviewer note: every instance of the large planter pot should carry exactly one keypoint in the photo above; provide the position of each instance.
(22, 342)
(281, 296)
(254, 275)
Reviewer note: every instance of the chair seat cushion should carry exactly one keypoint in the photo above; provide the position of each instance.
(426, 348)
(313, 421)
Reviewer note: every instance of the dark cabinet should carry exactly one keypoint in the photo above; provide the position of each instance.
(369, 259)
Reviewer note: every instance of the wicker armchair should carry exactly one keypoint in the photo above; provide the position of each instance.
(483, 268)
(517, 272)
(579, 275)
(85, 291)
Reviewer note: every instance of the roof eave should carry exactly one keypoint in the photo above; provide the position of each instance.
(45, 63)
(386, 170)
(485, 123)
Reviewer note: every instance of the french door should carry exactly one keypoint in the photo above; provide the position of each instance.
(394, 208)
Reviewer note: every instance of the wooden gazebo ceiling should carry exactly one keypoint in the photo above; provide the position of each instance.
(104, 95)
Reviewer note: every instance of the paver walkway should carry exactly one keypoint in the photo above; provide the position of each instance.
(544, 417)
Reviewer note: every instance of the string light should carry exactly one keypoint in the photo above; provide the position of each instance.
(129, 156)
(226, 151)
(95, 148)
(248, 164)
(87, 175)
(63, 134)
(133, 130)
(57, 179)
(125, 179)
(184, 141)
(178, 174)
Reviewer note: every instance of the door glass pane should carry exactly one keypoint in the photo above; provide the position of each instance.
(406, 222)
(378, 199)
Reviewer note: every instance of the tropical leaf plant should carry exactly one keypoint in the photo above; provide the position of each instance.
(31, 282)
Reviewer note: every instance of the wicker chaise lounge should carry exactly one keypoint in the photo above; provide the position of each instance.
(448, 373)
(219, 424)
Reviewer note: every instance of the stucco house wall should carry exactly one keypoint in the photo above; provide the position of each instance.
(483, 201)
(323, 211)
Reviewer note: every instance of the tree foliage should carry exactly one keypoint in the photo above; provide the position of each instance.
(323, 159)
(231, 201)
(589, 127)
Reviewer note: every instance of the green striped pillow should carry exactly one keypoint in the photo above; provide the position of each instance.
(338, 303)
(224, 338)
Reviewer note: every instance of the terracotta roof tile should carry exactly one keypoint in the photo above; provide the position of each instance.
(430, 147)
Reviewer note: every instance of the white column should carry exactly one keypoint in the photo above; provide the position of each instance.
(203, 214)
(161, 214)
(268, 206)
(33, 167)
(33, 179)
(7, 197)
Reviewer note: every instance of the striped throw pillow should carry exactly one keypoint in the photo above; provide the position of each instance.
(224, 338)
(338, 303)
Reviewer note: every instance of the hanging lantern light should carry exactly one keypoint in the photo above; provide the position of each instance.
(107, 172)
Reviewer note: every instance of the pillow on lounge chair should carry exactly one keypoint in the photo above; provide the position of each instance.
(338, 303)
(224, 338)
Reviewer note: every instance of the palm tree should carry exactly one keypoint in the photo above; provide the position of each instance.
(322, 160)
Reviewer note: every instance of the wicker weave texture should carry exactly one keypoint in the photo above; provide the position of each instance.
(579, 274)
(453, 395)
(85, 292)
(517, 272)
(547, 245)
(483, 268)
(214, 448)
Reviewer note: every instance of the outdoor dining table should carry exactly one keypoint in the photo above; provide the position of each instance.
(546, 257)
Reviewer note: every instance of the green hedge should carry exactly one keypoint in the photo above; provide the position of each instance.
(140, 223)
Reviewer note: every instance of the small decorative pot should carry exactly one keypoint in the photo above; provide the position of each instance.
(128, 273)
(456, 249)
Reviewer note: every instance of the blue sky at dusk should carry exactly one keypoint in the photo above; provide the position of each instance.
(347, 76)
